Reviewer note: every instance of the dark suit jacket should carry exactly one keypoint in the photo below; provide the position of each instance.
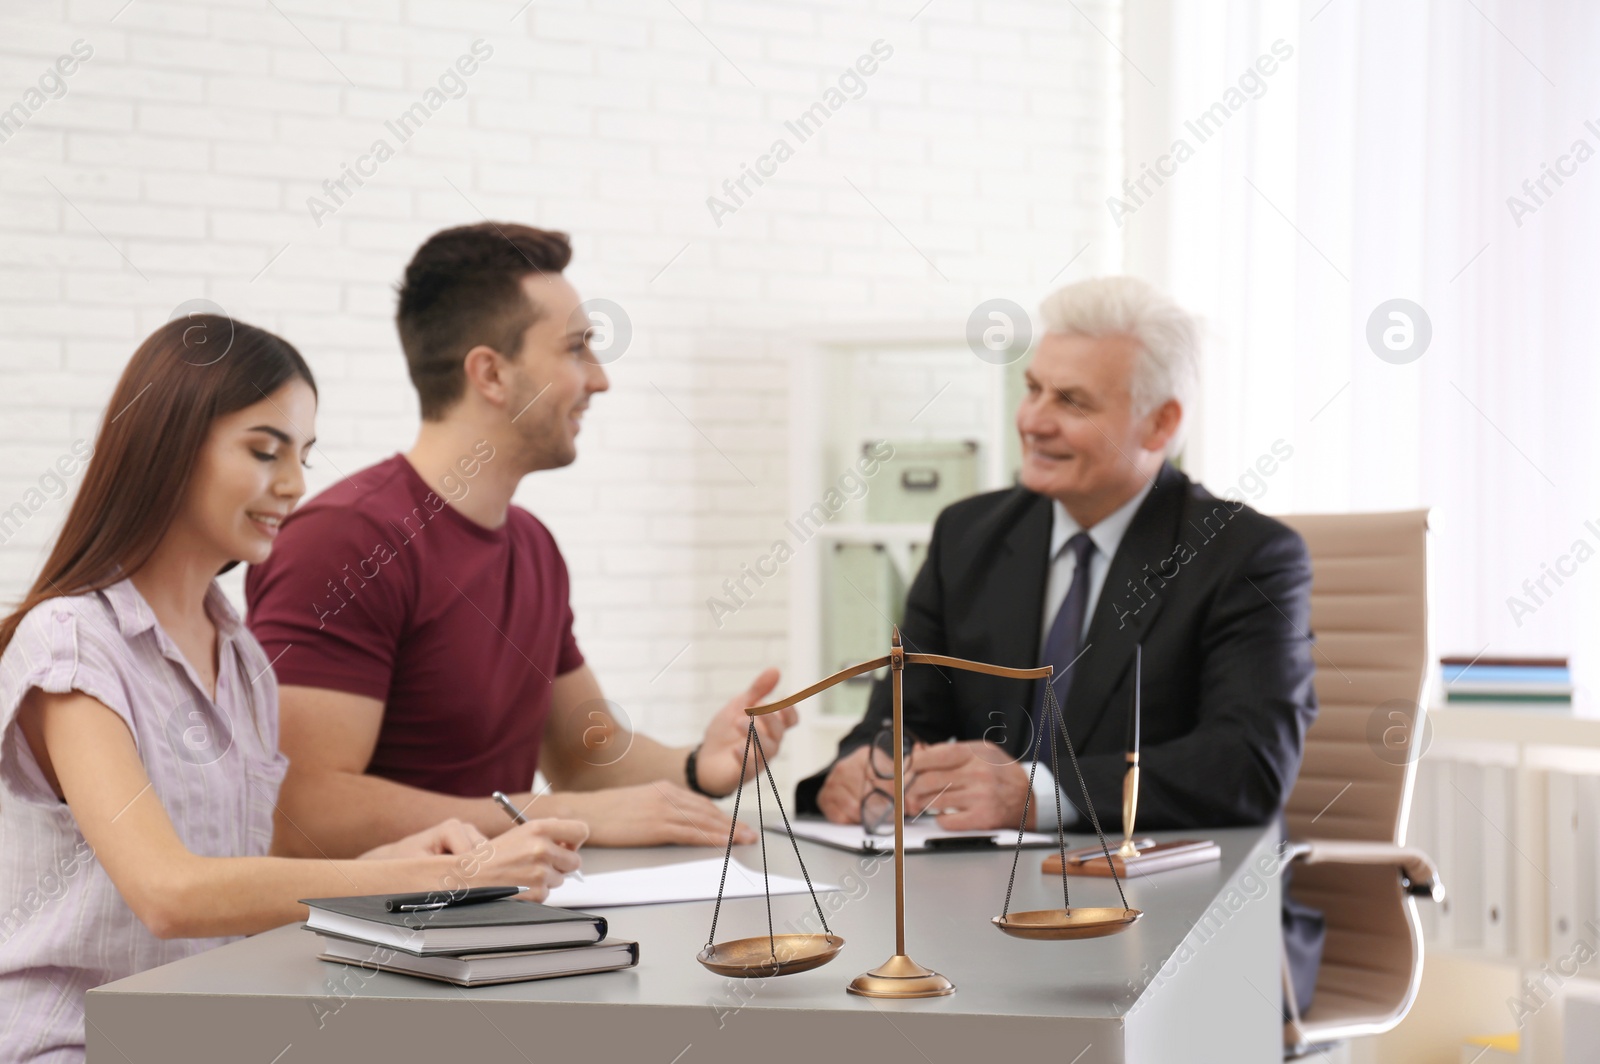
(1220, 597)
(1218, 594)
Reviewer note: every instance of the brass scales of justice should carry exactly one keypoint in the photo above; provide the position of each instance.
(900, 976)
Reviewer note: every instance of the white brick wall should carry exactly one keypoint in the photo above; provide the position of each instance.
(184, 151)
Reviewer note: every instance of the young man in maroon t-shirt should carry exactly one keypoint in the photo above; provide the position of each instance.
(419, 622)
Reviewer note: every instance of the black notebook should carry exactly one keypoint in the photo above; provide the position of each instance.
(485, 969)
(490, 925)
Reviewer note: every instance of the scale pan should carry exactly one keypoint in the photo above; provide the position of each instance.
(1057, 924)
(759, 958)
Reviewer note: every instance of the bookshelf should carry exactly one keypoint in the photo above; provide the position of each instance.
(907, 384)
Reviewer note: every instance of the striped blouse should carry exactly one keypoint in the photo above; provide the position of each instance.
(213, 764)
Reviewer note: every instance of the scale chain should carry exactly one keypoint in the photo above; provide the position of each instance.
(767, 765)
(1053, 709)
(1087, 804)
(1016, 854)
(766, 876)
(727, 856)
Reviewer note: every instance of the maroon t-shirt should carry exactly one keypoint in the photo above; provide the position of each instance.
(378, 587)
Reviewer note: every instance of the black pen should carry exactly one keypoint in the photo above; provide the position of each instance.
(504, 801)
(444, 899)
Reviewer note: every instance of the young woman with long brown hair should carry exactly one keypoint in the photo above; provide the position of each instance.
(139, 761)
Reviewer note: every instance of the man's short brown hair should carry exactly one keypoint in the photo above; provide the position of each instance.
(463, 288)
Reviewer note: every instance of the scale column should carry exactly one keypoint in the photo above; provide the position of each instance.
(897, 670)
(900, 976)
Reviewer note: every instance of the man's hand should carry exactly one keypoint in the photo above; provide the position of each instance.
(649, 814)
(850, 779)
(722, 751)
(973, 785)
(447, 836)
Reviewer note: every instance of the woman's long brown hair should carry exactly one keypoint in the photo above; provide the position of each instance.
(184, 376)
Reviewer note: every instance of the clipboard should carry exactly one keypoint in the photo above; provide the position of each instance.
(920, 838)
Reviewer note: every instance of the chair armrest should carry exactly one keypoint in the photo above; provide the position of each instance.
(1417, 870)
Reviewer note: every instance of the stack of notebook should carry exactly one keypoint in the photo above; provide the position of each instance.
(1525, 681)
(469, 945)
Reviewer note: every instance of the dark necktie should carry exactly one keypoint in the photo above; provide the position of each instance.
(1062, 645)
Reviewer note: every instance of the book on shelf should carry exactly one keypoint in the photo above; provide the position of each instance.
(1484, 687)
(1510, 680)
(1510, 660)
(1505, 674)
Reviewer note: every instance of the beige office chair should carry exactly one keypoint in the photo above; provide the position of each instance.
(1347, 813)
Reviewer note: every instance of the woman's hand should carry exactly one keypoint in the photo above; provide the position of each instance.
(538, 855)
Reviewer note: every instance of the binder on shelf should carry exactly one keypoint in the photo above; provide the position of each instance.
(1560, 825)
(1585, 852)
(1444, 812)
(865, 598)
(1422, 831)
(1469, 832)
(1498, 860)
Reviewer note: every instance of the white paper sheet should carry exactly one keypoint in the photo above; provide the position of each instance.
(686, 881)
(918, 836)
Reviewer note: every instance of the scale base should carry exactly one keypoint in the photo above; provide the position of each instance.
(901, 977)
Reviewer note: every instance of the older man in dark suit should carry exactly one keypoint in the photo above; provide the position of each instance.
(1105, 545)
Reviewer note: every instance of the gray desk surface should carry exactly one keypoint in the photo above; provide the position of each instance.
(1133, 996)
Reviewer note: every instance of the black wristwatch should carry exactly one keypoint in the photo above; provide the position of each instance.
(691, 774)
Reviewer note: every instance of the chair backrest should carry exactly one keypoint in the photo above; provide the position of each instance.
(1369, 620)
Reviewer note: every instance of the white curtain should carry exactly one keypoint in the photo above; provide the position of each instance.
(1379, 162)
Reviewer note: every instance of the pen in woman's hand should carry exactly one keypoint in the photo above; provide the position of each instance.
(510, 807)
(504, 802)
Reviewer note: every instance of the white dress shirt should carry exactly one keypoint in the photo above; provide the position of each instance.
(1106, 535)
